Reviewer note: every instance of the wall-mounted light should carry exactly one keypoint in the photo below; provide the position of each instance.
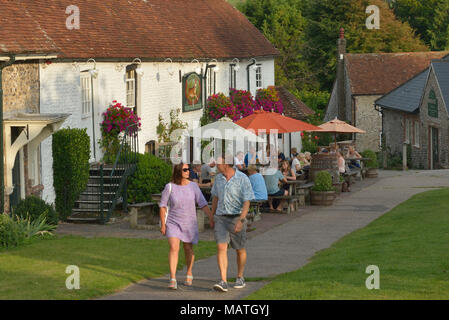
(216, 68)
(237, 64)
(139, 69)
(93, 72)
(170, 69)
(255, 66)
(119, 67)
(197, 69)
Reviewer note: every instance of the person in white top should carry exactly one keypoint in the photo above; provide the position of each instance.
(239, 162)
(296, 164)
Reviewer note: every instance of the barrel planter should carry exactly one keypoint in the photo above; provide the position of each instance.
(322, 198)
(338, 187)
(371, 173)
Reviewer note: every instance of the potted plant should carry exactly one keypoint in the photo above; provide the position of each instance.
(371, 165)
(323, 193)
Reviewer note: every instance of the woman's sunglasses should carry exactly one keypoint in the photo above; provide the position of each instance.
(185, 169)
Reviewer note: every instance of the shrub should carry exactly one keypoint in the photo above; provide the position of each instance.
(15, 231)
(372, 163)
(268, 100)
(71, 154)
(323, 182)
(151, 176)
(34, 207)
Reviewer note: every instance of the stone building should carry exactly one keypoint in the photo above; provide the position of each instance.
(362, 79)
(417, 114)
(139, 53)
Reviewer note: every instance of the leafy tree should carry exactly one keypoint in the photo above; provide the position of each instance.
(282, 23)
(326, 17)
(430, 19)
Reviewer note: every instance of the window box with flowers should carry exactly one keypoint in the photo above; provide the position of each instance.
(116, 120)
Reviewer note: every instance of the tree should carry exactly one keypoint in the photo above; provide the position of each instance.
(282, 23)
(429, 18)
(326, 17)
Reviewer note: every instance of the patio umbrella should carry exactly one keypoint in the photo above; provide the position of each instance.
(263, 121)
(224, 129)
(337, 126)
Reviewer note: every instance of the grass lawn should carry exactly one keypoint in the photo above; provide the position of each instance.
(409, 244)
(37, 271)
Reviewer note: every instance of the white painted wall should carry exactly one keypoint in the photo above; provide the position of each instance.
(160, 92)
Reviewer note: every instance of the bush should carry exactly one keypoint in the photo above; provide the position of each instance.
(151, 176)
(71, 154)
(323, 182)
(34, 207)
(17, 230)
(372, 163)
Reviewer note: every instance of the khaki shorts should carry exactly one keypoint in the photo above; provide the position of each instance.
(224, 231)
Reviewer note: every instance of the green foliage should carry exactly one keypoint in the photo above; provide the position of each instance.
(16, 231)
(151, 176)
(323, 182)
(71, 154)
(309, 142)
(164, 130)
(372, 163)
(34, 207)
(429, 18)
(326, 17)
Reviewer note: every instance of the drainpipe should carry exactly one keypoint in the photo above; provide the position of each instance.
(2, 168)
(247, 73)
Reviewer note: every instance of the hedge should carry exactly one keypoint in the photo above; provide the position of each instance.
(71, 154)
(34, 207)
(151, 176)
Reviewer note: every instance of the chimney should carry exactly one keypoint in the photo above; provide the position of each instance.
(341, 85)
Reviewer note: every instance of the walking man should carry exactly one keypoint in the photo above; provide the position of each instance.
(231, 194)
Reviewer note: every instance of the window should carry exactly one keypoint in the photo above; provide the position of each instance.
(86, 93)
(232, 76)
(416, 134)
(131, 88)
(407, 131)
(259, 84)
(212, 85)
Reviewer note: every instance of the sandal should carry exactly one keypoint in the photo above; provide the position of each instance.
(173, 284)
(189, 280)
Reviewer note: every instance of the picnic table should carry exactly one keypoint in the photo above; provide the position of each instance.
(362, 165)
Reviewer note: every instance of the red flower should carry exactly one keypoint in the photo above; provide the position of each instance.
(316, 138)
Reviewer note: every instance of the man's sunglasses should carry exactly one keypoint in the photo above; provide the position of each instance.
(185, 169)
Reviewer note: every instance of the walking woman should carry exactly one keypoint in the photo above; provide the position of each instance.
(180, 196)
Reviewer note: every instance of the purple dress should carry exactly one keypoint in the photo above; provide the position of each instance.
(181, 220)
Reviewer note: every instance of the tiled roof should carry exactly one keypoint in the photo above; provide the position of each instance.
(152, 29)
(379, 73)
(293, 107)
(30, 39)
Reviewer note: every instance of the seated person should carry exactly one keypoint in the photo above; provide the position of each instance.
(303, 161)
(208, 170)
(251, 157)
(272, 183)
(293, 153)
(341, 163)
(296, 165)
(308, 157)
(288, 172)
(353, 155)
(239, 162)
(195, 173)
(281, 157)
(258, 183)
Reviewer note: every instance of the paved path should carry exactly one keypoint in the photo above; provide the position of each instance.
(289, 246)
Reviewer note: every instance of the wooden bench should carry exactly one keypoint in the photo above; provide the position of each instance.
(349, 176)
(255, 215)
(134, 216)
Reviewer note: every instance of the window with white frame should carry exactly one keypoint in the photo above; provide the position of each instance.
(416, 132)
(212, 85)
(407, 131)
(232, 76)
(131, 85)
(259, 83)
(86, 93)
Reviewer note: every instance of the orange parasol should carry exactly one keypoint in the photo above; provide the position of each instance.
(338, 126)
(263, 121)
